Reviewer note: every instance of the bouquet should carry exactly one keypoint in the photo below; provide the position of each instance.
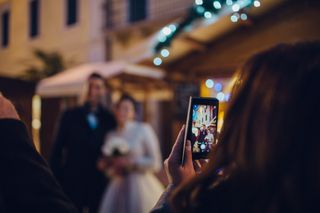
(116, 151)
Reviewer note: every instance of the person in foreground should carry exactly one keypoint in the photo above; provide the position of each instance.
(267, 158)
(26, 182)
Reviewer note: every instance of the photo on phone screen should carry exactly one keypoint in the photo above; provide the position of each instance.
(201, 126)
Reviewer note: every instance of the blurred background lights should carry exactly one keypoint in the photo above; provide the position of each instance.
(165, 53)
(200, 9)
(162, 38)
(227, 97)
(234, 18)
(220, 96)
(257, 3)
(236, 7)
(157, 61)
(217, 4)
(229, 2)
(209, 83)
(166, 31)
(244, 17)
(172, 27)
(208, 15)
(199, 2)
(218, 87)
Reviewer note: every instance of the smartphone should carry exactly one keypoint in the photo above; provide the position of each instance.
(201, 126)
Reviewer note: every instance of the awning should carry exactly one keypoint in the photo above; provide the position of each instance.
(71, 81)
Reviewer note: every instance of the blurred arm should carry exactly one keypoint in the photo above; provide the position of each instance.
(27, 184)
(152, 158)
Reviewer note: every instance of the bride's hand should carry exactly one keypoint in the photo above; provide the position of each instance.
(176, 172)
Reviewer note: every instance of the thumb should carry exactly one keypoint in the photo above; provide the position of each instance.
(188, 155)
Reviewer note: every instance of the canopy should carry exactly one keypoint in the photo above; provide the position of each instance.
(71, 81)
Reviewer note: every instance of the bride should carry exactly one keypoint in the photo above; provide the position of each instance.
(132, 155)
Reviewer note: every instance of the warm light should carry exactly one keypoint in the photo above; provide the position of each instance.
(209, 83)
(36, 124)
(157, 61)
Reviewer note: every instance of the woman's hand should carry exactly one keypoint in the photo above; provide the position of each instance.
(176, 172)
(7, 109)
(119, 166)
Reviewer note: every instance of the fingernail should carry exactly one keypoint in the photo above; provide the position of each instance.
(188, 146)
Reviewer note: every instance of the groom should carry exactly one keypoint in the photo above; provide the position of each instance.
(77, 147)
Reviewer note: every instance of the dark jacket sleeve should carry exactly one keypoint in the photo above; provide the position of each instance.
(59, 144)
(27, 183)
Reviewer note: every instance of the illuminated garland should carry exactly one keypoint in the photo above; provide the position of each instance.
(208, 9)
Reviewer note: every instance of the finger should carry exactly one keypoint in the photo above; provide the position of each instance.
(177, 148)
(203, 162)
(188, 154)
(197, 166)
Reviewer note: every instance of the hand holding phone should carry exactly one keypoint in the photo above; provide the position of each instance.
(201, 126)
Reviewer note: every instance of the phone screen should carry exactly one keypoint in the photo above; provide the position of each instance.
(203, 127)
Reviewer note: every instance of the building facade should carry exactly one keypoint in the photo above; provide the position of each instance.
(76, 29)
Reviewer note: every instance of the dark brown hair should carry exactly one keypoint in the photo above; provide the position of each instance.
(269, 148)
(127, 97)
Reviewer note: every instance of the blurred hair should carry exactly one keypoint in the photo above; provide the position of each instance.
(127, 97)
(269, 146)
(95, 75)
(83, 96)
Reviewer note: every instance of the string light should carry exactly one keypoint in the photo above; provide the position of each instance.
(157, 61)
(217, 5)
(166, 31)
(209, 83)
(172, 27)
(208, 15)
(204, 9)
(220, 96)
(165, 53)
(236, 7)
(200, 9)
(199, 2)
(257, 3)
(218, 87)
(229, 2)
(234, 18)
(243, 17)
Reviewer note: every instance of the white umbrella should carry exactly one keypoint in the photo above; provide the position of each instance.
(71, 81)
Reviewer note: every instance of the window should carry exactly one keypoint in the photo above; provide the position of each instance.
(33, 18)
(137, 10)
(72, 12)
(5, 24)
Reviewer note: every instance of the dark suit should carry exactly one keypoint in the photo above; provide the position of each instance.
(26, 182)
(76, 151)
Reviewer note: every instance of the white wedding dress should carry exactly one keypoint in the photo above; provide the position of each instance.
(139, 191)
